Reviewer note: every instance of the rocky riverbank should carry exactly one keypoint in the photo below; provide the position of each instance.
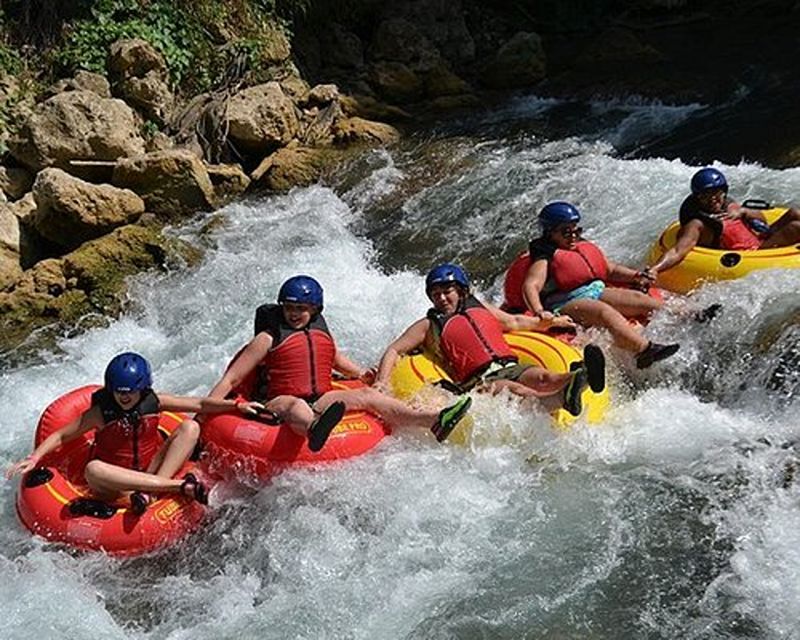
(97, 163)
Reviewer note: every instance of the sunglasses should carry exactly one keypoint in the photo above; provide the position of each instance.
(568, 231)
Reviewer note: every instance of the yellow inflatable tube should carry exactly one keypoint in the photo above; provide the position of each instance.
(413, 372)
(710, 265)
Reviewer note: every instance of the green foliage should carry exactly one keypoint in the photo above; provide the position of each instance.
(161, 23)
(10, 60)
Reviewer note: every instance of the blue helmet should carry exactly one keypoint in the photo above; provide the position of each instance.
(302, 289)
(446, 274)
(128, 372)
(708, 179)
(557, 213)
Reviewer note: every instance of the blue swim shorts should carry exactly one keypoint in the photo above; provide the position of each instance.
(591, 291)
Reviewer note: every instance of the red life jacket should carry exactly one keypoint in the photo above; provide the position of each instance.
(300, 361)
(512, 287)
(737, 235)
(573, 268)
(470, 339)
(129, 438)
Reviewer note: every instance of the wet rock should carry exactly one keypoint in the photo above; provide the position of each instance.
(291, 166)
(76, 125)
(519, 63)
(229, 181)
(352, 130)
(172, 183)
(61, 292)
(260, 119)
(71, 211)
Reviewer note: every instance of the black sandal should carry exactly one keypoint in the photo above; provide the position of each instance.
(139, 502)
(321, 428)
(193, 488)
(595, 364)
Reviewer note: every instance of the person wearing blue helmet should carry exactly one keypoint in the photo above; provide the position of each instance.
(289, 364)
(564, 273)
(709, 218)
(129, 454)
(468, 334)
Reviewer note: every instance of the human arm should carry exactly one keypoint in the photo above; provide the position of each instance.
(520, 322)
(243, 365)
(688, 237)
(411, 338)
(532, 287)
(57, 439)
(189, 404)
(620, 273)
(350, 369)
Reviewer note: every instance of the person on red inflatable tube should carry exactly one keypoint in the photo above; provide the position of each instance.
(710, 219)
(567, 274)
(468, 336)
(291, 359)
(129, 454)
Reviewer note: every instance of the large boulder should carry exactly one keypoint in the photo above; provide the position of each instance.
(354, 130)
(443, 23)
(90, 280)
(261, 119)
(141, 78)
(135, 58)
(173, 183)
(398, 40)
(229, 181)
(291, 166)
(519, 63)
(76, 125)
(396, 81)
(70, 211)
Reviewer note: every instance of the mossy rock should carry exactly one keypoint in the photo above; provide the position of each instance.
(89, 281)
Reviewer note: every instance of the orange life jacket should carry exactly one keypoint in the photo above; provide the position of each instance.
(737, 235)
(514, 302)
(129, 438)
(573, 268)
(300, 361)
(470, 339)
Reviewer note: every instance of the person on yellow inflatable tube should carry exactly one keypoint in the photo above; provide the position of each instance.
(468, 337)
(710, 219)
(296, 354)
(568, 275)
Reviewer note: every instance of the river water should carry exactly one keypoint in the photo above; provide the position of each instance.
(668, 520)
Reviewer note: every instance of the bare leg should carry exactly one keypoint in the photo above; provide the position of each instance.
(630, 303)
(110, 481)
(294, 412)
(785, 231)
(176, 450)
(596, 313)
(394, 411)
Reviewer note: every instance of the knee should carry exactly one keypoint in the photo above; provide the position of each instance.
(188, 429)
(95, 471)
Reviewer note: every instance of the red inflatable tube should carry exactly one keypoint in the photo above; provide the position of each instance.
(254, 447)
(46, 492)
